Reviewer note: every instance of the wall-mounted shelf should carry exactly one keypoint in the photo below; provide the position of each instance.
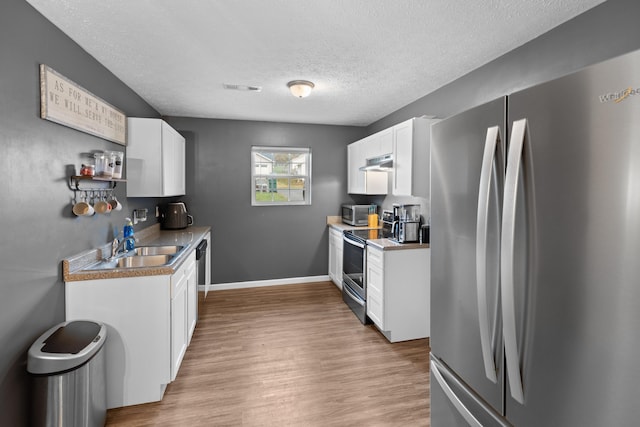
(82, 182)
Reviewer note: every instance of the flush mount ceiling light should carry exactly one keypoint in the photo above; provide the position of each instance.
(300, 88)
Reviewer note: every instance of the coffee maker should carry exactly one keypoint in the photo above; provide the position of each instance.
(406, 227)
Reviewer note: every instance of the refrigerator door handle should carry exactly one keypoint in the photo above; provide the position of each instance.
(491, 143)
(507, 250)
(457, 403)
(488, 160)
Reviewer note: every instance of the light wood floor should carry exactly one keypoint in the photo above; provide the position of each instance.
(289, 355)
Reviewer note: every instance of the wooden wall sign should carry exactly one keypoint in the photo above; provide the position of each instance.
(64, 102)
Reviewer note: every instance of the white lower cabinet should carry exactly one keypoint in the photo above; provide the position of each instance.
(398, 287)
(335, 256)
(147, 335)
(207, 266)
(183, 308)
(375, 286)
(192, 299)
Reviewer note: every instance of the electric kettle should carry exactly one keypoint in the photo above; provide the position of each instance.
(175, 216)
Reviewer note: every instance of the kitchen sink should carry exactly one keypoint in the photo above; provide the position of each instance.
(133, 261)
(142, 256)
(143, 261)
(157, 250)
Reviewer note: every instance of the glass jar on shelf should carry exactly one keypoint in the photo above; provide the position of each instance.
(104, 165)
(118, 160)
(87, 170)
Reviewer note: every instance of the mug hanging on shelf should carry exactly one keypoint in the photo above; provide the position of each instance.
(102, 205)
(83, 208)
(115, 204)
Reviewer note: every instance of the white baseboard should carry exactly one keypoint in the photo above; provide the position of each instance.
(260, 283)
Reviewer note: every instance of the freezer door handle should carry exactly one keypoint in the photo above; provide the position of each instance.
(492, 142)
(507, 249)
(457, 403)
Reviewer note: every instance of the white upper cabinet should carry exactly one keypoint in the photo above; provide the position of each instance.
(411, 157)
(155, 159)
(381, 143)
(409, 143)
(361, 182)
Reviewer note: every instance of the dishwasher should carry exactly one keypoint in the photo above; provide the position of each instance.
(201, 261)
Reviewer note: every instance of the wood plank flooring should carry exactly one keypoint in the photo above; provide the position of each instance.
(290, 355)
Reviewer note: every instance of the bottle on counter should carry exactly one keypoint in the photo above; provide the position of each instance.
(128, 235)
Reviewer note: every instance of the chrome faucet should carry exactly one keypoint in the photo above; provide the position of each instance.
(117, 245)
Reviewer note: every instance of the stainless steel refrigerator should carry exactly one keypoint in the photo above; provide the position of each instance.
(535, 246)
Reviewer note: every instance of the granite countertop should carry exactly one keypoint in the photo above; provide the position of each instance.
(335, 222)
(73, 267)
(392, 245)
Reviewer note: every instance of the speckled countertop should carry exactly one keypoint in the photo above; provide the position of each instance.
(73, 268)
(335, 222)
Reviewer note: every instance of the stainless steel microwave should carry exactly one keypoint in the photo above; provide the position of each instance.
(355, 214)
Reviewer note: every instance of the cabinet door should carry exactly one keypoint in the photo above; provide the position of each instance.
(192, 299)
(339, 244)
(356, 177)
(207, 266)
(179, 165)
(332, 256)
(173, 158)
(361, 182)
(402, 158)
(385, 142)
(179, 337)
(375, 287)
(143, 157)
(375, 295)
(137, 351)
(335, 257)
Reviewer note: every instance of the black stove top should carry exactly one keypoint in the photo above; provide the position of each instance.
(370, 233)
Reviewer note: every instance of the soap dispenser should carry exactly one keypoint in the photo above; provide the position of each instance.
(129, 244)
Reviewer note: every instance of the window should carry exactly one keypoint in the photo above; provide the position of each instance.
(280, 176)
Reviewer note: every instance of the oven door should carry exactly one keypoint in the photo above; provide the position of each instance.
(353, 280)
(353, 265)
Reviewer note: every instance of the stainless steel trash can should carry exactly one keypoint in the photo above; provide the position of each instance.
(68, 369)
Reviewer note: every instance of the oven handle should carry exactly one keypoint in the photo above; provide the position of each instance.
(352, 242)
(352, 295)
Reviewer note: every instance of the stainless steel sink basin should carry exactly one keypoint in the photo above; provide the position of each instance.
(157, 250)
(132, 261)
(143, 261)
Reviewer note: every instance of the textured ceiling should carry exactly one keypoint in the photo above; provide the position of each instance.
(367, 58)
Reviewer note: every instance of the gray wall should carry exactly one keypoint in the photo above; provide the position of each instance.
(262, 242)
(606, 31)
(39, 229)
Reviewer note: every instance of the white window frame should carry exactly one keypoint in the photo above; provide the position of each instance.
(307, 175)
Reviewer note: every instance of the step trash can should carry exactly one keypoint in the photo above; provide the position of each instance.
(68, 370)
